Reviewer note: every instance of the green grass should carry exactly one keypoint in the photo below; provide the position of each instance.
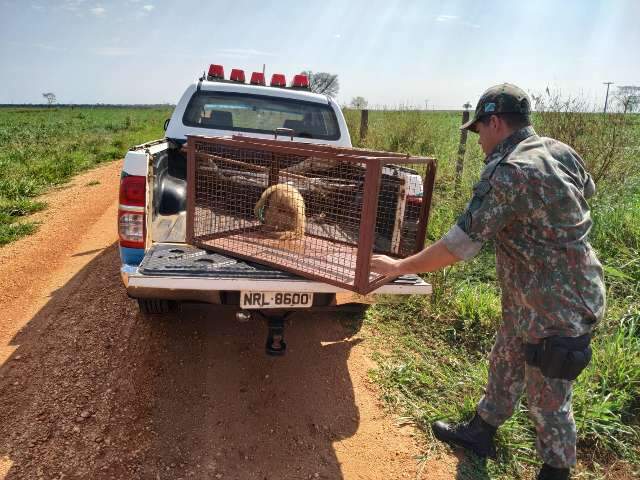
(43, 147)
(432, 351)
(12, 231)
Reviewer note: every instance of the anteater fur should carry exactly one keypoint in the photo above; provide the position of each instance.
(281, 208)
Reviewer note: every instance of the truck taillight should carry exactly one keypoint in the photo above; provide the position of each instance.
(414, 200)
(131, 229)
(132, 190)
(278, 80)
(131, 218)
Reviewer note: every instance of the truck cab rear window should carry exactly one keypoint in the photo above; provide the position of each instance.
(240, 112)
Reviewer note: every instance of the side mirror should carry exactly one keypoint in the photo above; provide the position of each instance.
(166, 124)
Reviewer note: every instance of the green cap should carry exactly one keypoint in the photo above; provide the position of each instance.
(503, 98)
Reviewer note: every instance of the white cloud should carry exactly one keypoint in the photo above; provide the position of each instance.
(114, 51)
(337, 35)
(42, 46)
(146, 9)
(46, 46)
(98, 11)
(72, 5)
(456, 20)
(243, 52)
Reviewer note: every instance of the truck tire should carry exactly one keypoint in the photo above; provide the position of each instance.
(156, 306)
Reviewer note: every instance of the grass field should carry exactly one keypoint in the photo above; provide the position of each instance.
(432, 355)
(43, 147)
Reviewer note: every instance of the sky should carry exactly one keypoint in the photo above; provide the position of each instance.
(435, 54)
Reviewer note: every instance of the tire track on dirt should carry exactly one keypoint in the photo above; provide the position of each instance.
(91, 389)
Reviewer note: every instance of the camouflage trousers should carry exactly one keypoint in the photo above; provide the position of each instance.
(548, 399)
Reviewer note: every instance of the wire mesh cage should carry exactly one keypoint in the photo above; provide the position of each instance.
(315, 210)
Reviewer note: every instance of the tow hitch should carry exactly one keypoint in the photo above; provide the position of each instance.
(275, 344)
(275, 337)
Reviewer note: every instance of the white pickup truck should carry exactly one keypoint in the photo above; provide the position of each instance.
(160, 269)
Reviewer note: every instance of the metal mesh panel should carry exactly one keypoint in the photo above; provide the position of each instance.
(317, 211)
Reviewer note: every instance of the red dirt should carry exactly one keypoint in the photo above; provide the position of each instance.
(91, 389)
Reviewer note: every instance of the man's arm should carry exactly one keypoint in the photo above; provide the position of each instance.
(497, 198)
(589, 187)
(435, 257)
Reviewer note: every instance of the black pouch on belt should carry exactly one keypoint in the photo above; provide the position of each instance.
(560, 357)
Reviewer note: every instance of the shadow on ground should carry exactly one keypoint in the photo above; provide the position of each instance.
(471, 467)
(96, 390)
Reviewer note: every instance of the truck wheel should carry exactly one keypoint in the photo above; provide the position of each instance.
(155, 306)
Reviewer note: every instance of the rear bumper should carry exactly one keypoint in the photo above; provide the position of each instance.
(214, 290)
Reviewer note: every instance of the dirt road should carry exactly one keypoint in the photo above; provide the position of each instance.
(91, 389)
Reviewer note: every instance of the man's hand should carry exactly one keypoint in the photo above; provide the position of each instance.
(435, 257)
(384, 265)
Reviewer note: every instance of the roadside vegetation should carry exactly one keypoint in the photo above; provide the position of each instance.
(44, 147)
(432, 355)
(432, 351)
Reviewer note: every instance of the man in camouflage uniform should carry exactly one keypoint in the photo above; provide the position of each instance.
(531, 201)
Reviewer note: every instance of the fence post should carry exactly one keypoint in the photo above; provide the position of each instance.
(462, 147)
(364, 123)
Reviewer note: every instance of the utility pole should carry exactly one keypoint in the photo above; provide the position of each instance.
(607, 97)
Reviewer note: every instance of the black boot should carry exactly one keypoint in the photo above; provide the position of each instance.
(549, 473)
(476, 435)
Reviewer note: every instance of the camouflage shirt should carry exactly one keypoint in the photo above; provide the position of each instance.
(530, 200)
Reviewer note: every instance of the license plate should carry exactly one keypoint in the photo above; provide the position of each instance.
(249, 300)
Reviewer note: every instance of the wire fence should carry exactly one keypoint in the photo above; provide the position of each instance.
(317, 211)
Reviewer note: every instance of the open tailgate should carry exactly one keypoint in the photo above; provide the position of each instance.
(185, 272)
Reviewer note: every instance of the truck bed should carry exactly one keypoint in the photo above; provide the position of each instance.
(183, 272)
(186, 260)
